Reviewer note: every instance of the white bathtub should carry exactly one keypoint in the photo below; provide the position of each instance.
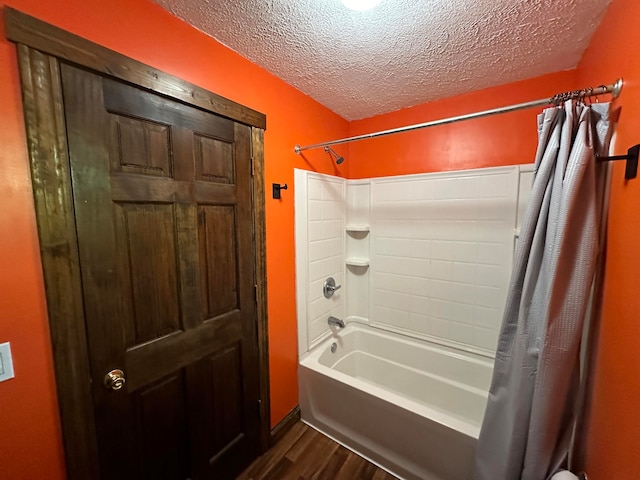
(414, 408)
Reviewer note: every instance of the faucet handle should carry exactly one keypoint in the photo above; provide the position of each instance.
(329, 287)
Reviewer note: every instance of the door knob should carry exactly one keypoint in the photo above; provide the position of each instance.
(114, 380)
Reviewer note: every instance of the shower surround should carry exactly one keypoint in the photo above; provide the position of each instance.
(424, 261)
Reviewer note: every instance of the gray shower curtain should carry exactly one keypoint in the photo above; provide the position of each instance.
(528, 421)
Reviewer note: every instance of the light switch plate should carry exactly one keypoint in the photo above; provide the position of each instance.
(6, 362)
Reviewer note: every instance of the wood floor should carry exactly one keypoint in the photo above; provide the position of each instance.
(305, 454)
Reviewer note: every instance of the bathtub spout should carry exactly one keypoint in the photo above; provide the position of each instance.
(336, 321)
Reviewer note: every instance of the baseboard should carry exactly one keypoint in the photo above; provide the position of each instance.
(285, 425)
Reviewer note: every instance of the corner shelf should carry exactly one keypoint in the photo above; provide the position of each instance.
(357, 228)
(357, 247)
(357, 262)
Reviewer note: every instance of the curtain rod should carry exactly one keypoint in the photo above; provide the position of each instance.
(613, 89)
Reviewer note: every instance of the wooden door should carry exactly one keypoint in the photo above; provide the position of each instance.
(162, 199)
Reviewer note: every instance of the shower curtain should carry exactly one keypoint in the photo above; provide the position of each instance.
(527, 427)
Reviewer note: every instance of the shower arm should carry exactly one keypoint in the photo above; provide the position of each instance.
(614, 89)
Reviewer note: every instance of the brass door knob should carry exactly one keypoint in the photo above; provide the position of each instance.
(114, 380)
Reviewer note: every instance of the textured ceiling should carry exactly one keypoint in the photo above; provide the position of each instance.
(401, 53)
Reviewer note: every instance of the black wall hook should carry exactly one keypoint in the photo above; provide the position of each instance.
(631, 170)
(277, 188)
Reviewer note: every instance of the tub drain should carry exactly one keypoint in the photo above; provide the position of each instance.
(334, 347)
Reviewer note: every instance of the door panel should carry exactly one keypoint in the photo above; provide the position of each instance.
(162, 194)
(147, 236)
(214, 160)
(222, 427)
(140, 146)
(163, 439)
(218, 267)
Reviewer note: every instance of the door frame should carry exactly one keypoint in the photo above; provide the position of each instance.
(41, 48)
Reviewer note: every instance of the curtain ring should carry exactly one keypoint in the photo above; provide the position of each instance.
(588, 94)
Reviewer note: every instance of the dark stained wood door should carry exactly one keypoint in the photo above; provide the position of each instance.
(162, 198)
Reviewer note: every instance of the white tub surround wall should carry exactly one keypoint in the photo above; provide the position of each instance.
(320, 253)
(427, 255)
(441, 254)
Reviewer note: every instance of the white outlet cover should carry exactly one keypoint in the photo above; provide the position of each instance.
(6, 362)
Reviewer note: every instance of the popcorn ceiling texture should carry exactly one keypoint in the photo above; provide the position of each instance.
(401, 53)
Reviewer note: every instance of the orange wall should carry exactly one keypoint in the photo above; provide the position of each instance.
(612, 449)
(487, 142)
(30, 443)
(30, 439)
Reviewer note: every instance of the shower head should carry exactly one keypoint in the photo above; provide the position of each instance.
(333, 154)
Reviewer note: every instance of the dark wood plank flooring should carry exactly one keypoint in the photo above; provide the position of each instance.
(305, 454)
